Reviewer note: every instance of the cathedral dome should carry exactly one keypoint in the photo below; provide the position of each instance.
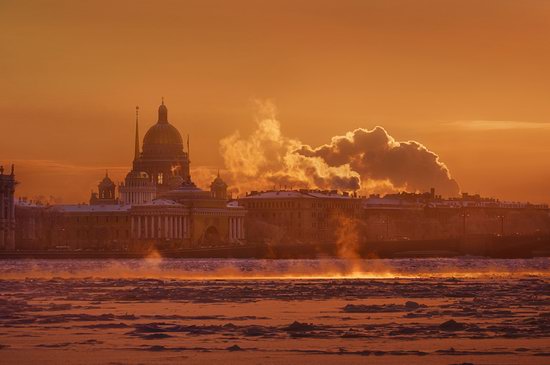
(162, 138)
(162, 134)
(218, 182)
(133, 174)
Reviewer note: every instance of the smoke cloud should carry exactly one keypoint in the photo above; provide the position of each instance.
(362, 160)
(266, 159)
(377, 157)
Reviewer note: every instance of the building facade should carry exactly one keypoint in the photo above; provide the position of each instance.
(7, 209)
(426, 216)
(299, 216)
(158, 205)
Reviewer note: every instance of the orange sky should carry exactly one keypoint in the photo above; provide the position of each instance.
(468, 79)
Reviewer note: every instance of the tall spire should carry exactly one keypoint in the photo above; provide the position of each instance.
(188, 150)
(136, 148)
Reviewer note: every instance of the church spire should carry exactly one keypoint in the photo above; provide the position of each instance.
(136, 147)
(188, 149)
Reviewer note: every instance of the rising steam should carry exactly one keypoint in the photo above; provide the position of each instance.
(363, 160)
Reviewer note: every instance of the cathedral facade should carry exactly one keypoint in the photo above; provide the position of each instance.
(157, 205)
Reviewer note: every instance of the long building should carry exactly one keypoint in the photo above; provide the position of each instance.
(159, 206)
(414, 216)
(298, 216)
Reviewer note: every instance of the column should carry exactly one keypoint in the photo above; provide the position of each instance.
(241, 219)
(152, 219)
(238, 223)
(166, 227)
(186, 227)
(159, 227)
(132, 227)
(138, 227)
(173, 227)
(146, 225)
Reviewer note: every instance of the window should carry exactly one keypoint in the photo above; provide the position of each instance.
(160, 178)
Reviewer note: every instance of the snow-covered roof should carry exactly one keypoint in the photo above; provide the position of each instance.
(28, 204)
(85, 208)
(276, 195)
(333, 195)
(290, 194)
(234, 204)
(161, 202)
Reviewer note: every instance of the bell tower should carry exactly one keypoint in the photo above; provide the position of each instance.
(218, 188)
(106, 190)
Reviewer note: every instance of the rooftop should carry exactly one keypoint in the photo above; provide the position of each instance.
(298, 194)
(85, 208)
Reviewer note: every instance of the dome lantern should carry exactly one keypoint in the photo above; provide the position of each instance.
(163, 113)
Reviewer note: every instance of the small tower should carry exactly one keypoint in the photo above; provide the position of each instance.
(218, 188)
(106, 189)
(7, 209)
(136, 146)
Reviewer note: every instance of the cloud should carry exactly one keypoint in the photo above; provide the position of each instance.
(364, 160)
(491, 125)
(267, 159)
(380, 160)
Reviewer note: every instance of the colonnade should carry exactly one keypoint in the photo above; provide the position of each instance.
(136, 196)
(160, 226)
(236, 228)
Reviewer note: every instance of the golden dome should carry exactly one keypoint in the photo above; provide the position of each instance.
(162, 134)
(162, 137)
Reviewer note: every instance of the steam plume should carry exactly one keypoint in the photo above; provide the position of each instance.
(366, 160)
